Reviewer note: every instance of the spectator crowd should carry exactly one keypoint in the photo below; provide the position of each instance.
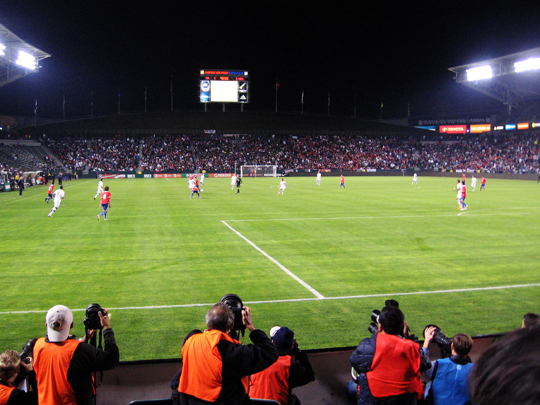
(511, 153)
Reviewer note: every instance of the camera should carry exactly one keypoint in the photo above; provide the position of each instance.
(374, 325)
(444, 342)
(28, 351)
(234, 302)
(92, 320)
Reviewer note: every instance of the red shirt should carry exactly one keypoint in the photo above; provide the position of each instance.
(463, 191)
(395, 369)
(106, 197)
(51, 188)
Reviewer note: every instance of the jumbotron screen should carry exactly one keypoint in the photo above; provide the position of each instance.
(224, 86)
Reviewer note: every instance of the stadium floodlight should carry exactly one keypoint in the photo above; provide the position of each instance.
(26, 60)
(479, 73)
(525, 65)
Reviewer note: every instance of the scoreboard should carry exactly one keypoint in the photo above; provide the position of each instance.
(224, 86)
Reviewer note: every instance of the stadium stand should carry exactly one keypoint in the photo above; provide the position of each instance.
(510, 153)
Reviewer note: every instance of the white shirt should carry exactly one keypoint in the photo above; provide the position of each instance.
(283, 185)
(59, 194)
(459, 185)
(100, 186)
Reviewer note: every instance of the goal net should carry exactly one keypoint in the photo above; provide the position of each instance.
(258, 171)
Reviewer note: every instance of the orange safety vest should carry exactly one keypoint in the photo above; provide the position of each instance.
(202, 365)
(5, 393)
(51, 364)
(395, 368)
(272, 383)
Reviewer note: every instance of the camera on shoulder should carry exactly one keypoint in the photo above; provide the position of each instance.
(234, 302)
(28, 351)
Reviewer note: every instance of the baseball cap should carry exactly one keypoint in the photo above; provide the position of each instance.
(59, 320)
(284, 338)
(274, 330)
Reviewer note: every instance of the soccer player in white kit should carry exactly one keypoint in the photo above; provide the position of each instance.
(319, 178)
(233, 181)
(282, 187)
(58, 196)
(473, 182)
(99, 188)
(201, 182)
(458, 189)
(415, 179)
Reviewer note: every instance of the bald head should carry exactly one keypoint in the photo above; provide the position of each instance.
(220, 317)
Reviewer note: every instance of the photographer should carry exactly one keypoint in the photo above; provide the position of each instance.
(449, 376)
(389, 366)
(10, 367)
(292, 369)
(64, 366)
(215, 367)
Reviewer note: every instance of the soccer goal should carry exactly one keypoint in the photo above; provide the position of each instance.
(258, 171)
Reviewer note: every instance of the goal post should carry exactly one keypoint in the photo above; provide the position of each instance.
(258, 171)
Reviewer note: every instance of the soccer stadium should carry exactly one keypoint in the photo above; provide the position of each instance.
(438, 215)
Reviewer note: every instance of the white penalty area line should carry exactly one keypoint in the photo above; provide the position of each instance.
(282, 267)
(348, 297)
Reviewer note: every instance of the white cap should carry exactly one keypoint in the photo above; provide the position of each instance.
(274, 330)
(59, 320)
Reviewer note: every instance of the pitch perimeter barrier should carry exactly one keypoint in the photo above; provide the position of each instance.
(313, 173)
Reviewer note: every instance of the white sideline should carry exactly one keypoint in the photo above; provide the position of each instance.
(460, 290)
(294, 276)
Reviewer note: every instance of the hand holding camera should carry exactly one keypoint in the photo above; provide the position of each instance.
(105, 319)
(28, 364)
(246, 319)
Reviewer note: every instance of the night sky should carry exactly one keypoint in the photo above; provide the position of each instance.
(361, 51)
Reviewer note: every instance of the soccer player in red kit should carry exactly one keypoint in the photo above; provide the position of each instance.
(463, 195)
(342, 184)
(483, 183)
(105, 203)
(49, 192)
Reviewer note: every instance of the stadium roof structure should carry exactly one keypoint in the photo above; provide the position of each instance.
(514, 79)
(17, 57)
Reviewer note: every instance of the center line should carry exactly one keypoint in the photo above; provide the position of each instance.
(294, 276)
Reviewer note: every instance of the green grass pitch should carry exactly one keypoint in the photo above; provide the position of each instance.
(317, 259)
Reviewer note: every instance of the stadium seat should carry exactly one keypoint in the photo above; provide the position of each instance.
(164, 401)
